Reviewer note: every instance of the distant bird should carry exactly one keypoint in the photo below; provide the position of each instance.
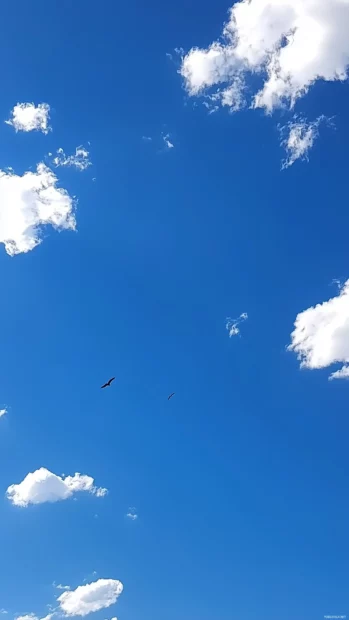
(108, 384)
(170, 396)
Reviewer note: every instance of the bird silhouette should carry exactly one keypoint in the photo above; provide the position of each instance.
(170, 396)
(108, 384)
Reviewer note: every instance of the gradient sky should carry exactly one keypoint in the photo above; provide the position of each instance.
(240, 482)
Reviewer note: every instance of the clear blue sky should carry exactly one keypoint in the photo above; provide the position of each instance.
(241, 480)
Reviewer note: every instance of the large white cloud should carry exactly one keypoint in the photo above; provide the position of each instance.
(90, 597)
(28, 117)
(29, 202)
(290, 43)
(43, 486)
(321, 334)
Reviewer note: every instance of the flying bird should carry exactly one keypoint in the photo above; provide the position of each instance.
(108, 384)
(170, 396)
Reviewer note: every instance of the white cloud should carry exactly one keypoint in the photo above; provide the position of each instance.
(2, 412)
(167, 141)
(79, 160)
(321, 334)
(34, 617)
(290, 43)
(28, 117)
(29, 202)
(232, 325)
(132, 514)
(300, 139)
(60, 587)
(91, 597)
(147, 138)
(3, 611)
(44, 486)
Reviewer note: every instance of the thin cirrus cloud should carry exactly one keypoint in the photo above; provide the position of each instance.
(233, 325)
(27, 203)
(91, 597)
(290, 44)
(43, 486)
(29, 117)
(79, 160)
(321, 335)
(298, 137)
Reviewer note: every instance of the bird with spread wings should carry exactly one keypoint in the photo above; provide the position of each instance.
(108, 384)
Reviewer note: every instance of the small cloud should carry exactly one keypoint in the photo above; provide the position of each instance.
(43, 486)
(91, 597)
(3, 611)
(59, 586)
(337, 283)
(232, 325)
(79, 160)
(300, 138)
(147, 138)
(179, 52)
(34, 617)
(132, 514)
(28, 117)
(342, 373)
(2, 413)
(168, 143)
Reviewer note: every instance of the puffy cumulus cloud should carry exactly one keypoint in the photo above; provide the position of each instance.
(290, 43)
(43, 486)
(232, 325)
(28, 117)
(2, 412)
(79, 160)
(300, 138)
(321, 335)
(29, 202)
(91, 597)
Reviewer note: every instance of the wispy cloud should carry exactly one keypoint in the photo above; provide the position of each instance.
(300, 137)
(79, 160)
(167, 141)
(28, 117)
(232, 325)
(132, 514)
(2, 412)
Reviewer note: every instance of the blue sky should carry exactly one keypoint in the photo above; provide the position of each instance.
(240, 482)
